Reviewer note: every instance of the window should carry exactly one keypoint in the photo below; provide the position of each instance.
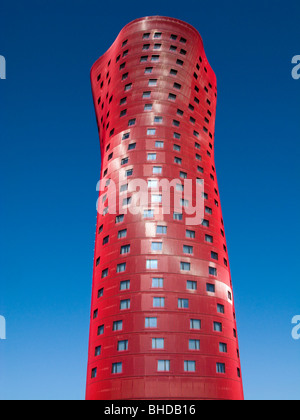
(104, 273)
(209, 239)
(161, 230)
(148, 70)
(127, 201)
(176, 123)
(238, 372)
(95, 314)
(132, 146)
(157, 35)
(178, 160)
(183, 175)
(157, 170)
(163, 365)
(123, 345)
(118, 326)
(214, 255)
(124, 161)
(98, 261)
(123, 101)
(148, 214)
(156, 246)
(152, 264)
(220, 309)
(155, 58)
(195, 324)
(146, 36)
(146, 47)
(126, 136)
(125, 285)
(121, 268)
(159, 144)
(183, 40)
(213, 271)
(218, 327)
(158, 302)
(157, 46)
(221, 368)
(188, 249)
(152, 82)
(158, 343)
(173, 72)
(205, 223)
(223, 347)
(129, 173)
(179, 62)
(151, 323)
(191, 234)
(189, 366)
(117, 368)
(178, 216)
(153, 183)
(98, 351)
(210, 288)
(183, 303)
(156, 198)
(174, 37)
(101, 330)
(125, 76)
(173, 48)
(100, 229)
(94, 373)
(194, 344)
(122, 234)
(151, 132)
(144, 59)
(148, 107)
(128, 87)
(185, 266)
(191, 285)
(177, 86)
(125, 249)
(158, 120)
(131, 122)
(125, 304)
(208, 210)
(172, 97)
(151, 156)
(100, 293)
(157, 283)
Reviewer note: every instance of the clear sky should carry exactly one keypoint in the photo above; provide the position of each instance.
(50, 164)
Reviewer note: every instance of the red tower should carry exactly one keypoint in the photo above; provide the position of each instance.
(163, 320)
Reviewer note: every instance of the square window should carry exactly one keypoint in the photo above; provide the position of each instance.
(123, 345)
(117, 368)
(191, 285)
(157, 283)
(163, 366)
(189, 366)
(158, 302)
(195, 324)
(151, 323)
(183, 303)
(122, 234)
(118, 326)
(194, 344)
(152, 264)
(158, 343)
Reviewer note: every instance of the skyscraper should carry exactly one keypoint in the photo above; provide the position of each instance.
(163, 322)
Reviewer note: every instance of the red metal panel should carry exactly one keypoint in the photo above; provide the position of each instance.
(139, 377)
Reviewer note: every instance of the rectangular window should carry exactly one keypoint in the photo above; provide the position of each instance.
(178, 216)
(214, 255)
(117, 368)
(183, 303)
(185, 266)
(129, 173)
(125, 304)
(218, 327)
(163, 366)
(132, 146)
(191, 234)
(152, 183)
(156, 246)
(125, 285)
(94, 373)
(195, 324)
(188, 249)
(152, 264)
(223, 347)
(155, 58)
(152, 82)
(122, 234)
(146, 95)
(121, 268)
(161, 230)
(189, 366)
(183, 175)
(178, 160)
(158, 302)
(151, 156)
(100, 293)
(156, 198)
(158, 343)
(191, 285)
(210, 288)
(148, 107)
(124, 161)
(151, 323)
(209, 239)
(131, 122)
(104, 273)
(213, 271)
(157, 283)
(98, 351)
(118, 326)
(221, 368)
(101, 330)
(158, 120)
(157, 170)
(125, 249)
(220, 309)
(194, 344)
(159, 144)
(151, 132)
(123, 345)
(148, 214)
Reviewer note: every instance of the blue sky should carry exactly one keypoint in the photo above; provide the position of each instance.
(50, 163)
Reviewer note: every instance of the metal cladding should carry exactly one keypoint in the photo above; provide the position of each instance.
(163, 321)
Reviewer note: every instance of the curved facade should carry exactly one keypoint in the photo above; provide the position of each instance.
(163, 320)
